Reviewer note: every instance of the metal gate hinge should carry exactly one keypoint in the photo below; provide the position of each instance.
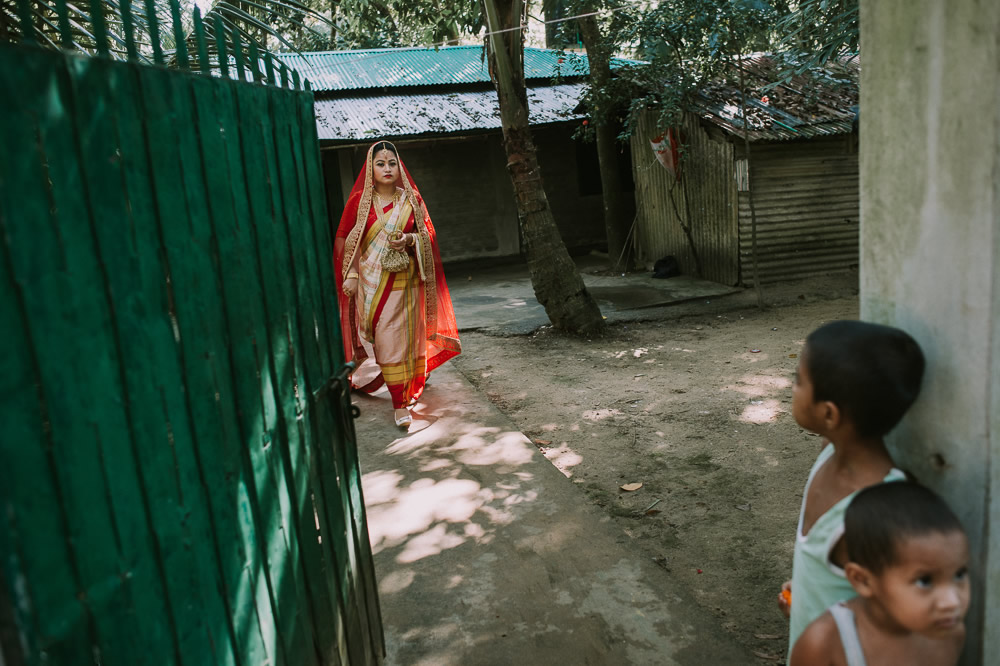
(338, 384)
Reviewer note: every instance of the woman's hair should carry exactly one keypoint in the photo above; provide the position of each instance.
(385, 145)
(882, 516)
(871, 372)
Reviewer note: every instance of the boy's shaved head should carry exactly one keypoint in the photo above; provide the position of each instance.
(871, 372)
(880, 517)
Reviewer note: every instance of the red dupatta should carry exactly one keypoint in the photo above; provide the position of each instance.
(442, 342)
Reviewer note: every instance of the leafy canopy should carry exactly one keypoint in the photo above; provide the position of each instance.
(682, 45)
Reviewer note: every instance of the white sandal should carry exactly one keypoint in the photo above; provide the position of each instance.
(402, 417)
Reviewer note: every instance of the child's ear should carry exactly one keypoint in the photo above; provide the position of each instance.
(830, 414)
(860, 578)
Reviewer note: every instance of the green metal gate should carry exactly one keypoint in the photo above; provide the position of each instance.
(178, 473)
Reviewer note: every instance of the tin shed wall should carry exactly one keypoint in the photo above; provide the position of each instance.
(806, 201)
(705, 195)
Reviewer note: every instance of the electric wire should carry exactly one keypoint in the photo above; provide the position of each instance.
(390, 50)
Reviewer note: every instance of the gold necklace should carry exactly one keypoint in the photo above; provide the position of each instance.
(386, 202)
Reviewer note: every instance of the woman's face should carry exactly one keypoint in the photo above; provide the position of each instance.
(385, 167)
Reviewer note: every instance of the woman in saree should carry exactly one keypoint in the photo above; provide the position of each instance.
(396, 315)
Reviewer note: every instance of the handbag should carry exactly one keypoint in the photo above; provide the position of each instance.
(394, 260)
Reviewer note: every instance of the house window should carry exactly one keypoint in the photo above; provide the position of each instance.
(742, 175)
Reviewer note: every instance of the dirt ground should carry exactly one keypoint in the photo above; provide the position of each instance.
(695, 406)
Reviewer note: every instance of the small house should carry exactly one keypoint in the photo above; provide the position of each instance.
(800, 205)
(440, 109)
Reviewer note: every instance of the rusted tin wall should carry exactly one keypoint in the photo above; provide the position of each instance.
(806, 200)
(706, 195)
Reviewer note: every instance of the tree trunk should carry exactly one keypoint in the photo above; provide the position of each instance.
(553, 10)
(615, 221)
(334, 6)
(685, 220)
(554, 277)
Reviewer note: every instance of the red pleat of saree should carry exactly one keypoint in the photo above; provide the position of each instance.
(399, 325)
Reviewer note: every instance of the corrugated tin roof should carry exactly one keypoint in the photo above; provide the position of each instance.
(372, 117)
(329, 71)
(816, 103)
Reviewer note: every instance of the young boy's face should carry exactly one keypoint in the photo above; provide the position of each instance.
(926, 590)
(803, 401)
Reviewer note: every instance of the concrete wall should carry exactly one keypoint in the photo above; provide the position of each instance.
(930, 253)
(566, 166)
(469, 194)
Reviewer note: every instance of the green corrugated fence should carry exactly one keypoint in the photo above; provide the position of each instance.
(179, 481)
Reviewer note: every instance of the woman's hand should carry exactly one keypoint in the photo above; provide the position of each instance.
(350, 286)
(401, 242)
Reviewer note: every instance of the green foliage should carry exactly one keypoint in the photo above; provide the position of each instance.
(366, 24)
(682, 44)
(262, 23)
(438, 21)
(74, 30)
(691, 42)
(818, 31)
(271, 25)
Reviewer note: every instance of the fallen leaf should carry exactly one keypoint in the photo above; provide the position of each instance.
(768, 637)
(629, 487)
(765, 655)
(652, 512)
(542, 442)
(793, 356)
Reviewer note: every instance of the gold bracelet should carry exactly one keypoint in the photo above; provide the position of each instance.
(351, 275)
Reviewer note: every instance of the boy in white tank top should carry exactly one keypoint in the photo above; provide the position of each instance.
(908, 561)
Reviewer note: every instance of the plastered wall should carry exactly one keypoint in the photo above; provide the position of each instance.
(930, 253)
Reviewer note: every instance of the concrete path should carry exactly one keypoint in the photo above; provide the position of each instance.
(487, 555)
(501, 299)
